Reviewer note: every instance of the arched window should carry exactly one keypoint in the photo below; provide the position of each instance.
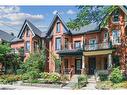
(58, 27)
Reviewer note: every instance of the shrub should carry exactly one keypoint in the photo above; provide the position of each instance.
(64, 78)
(104, 85)
(82, 81)
(116, 75)
(33, 74)
(44, 75)
(54, 77)
(9, 78)
(25, 76)
(103, 76)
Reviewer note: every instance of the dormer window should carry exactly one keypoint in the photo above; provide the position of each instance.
(116, 16)
(58, 27)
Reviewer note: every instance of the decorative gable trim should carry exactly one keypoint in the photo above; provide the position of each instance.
(57, 16)
(23, 28)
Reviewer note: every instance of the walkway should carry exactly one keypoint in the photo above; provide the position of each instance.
(91, 84)
(72, 82)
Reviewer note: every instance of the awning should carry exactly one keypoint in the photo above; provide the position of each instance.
(99, 52)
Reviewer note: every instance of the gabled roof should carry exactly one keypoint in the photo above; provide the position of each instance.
(56, 17)
(124, 9)
(6, 36)
(33, 28)
(16, 40)
(87, 28)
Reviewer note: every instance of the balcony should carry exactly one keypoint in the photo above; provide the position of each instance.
(97, 46)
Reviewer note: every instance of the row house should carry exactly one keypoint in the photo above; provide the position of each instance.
(29, 40)
(90, 48)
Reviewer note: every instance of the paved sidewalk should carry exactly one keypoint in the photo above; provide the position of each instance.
(14, 87)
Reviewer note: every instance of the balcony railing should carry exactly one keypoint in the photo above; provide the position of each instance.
(97, 46)
(87, 47)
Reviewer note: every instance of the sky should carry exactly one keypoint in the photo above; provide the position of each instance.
(13, 17)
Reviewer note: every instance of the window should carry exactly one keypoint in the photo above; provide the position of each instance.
(58, 27)
(28, 33)
(116, 16)
(58, 43)
(66, 43)
(106, 36)
(116, 37)
(92, 44)
(77, 44)
(28, 46)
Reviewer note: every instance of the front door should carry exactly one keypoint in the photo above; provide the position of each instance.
(78, 66)
(92, 65)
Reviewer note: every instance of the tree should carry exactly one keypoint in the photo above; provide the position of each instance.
(8, 59)
(91, 14)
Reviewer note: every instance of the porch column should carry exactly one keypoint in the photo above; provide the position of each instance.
(109, 61)
(83, 64)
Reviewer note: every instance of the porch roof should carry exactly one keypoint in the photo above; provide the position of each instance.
(99, 52)
(67, 52)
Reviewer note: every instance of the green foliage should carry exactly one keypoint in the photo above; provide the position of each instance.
(116, 75)
(33, 74)
(89, 14)
(44, 75)
(54, 77)
(35, 63)
(8, 59)
(103, 76)
(120, 85)
(82, 81)
(9, 78)
(50, 77)
(4, 49)
(64, 78)
(104, 85)
(25, 76)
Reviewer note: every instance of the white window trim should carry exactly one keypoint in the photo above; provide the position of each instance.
(113, 40)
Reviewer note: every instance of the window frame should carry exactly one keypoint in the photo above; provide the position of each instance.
(27, 45)
(56, 43)
(93, 46)
(66, 43)
(79, 45)
(58, 27)
(28, 32)
(116, 15)
(114, 42)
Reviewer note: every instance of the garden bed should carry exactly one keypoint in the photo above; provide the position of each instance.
(106, 85)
